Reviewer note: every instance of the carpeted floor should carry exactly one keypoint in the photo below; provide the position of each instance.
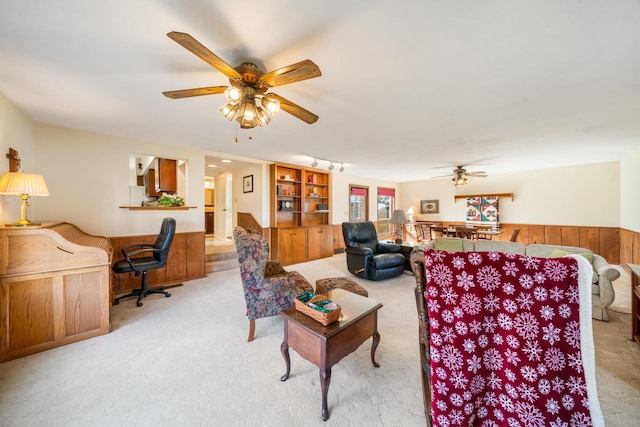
(184, 361)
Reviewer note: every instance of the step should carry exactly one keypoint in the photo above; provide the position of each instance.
(225, 264)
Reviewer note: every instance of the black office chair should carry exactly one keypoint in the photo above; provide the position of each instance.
(154, 256)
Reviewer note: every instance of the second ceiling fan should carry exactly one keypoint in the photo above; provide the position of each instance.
(460, 176)
(248, 85)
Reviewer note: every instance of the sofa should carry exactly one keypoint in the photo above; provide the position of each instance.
(603, 273)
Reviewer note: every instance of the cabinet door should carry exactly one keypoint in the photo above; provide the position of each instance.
(208, 222)
(150, 183)
(166, 180)
(292, 245)
(319, 242)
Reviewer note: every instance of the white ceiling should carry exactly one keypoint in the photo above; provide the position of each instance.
(406, 86)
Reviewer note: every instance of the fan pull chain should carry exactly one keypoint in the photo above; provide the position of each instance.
(236, 131)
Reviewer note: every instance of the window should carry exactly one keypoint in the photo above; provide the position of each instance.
(386, 205)
(358, 202)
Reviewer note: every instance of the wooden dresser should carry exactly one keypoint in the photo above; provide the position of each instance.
(54, 287)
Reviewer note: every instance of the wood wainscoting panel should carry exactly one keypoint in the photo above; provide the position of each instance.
(590, 238)
(195, 263)
(552, 235)
(610, 244)
(570, 236)
(626, 248)
(185, 262)
(536, 234)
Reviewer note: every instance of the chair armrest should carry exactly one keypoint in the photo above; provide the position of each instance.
(273, 268)
(281, 284)
(124, 249)
(388, 248)
(354, 250)
(606, 274)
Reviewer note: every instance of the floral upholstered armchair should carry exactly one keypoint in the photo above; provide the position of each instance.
(268, 288)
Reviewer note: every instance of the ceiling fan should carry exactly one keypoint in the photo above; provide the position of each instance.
(249, 84)
(460, 176)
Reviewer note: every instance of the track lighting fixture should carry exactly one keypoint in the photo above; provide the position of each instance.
(331, 166)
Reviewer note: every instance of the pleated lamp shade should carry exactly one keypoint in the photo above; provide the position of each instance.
(24, 185)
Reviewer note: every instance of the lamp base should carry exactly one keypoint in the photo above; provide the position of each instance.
(21, 224)
(398, 241)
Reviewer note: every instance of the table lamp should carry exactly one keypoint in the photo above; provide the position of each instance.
(399, 219)
(25, 185)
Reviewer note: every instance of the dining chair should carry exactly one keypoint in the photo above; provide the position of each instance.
(514, 235)
(438, 231)
(467, 233)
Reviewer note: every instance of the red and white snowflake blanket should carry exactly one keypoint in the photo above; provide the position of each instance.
(506, 340)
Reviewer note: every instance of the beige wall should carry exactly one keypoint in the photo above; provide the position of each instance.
(16, 131)
(88, 177)
(630, 191)
(586, 195)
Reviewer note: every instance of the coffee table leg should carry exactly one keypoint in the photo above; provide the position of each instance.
(284, 349)
(374, 346)
(325, 379)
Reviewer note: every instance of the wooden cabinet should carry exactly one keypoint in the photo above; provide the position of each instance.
(166, 179)
(635, 302)
(300, 214)
(316, 202)
(208, 222)
(53, 292)
(162, 178)
(319, 242)
(290, 245)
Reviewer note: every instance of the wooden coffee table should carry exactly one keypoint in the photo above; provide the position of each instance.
(324, 346)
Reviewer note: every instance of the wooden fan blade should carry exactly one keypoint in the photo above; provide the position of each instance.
(302, 70)
(478, 174)
(185, 93)
(195, 47)
(296, 110)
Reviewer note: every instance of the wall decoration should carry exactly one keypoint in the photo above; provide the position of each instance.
(247, 184)
(429, 206)
(482, 210)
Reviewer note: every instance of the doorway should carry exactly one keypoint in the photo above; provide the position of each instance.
(223, 200)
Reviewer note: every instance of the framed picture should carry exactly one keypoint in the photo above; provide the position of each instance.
(429, 206)
(247, 184)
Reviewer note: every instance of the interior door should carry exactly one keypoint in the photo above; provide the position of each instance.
(223, 223)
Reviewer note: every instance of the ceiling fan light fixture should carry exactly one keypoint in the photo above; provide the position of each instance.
(229, 111)
(263, 118)
(232, 95)
(271, 104)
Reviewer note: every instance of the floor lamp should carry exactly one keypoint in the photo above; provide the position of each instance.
(399, 219)
(24, 185)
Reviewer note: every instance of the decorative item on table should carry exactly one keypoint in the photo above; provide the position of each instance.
(312, 179)
(398, 219)
(318, 307)
(168, 200)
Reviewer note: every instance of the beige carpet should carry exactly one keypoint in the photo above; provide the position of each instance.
(184, 361)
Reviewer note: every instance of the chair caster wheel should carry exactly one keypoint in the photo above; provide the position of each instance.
(167, 295)
(139, 304)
